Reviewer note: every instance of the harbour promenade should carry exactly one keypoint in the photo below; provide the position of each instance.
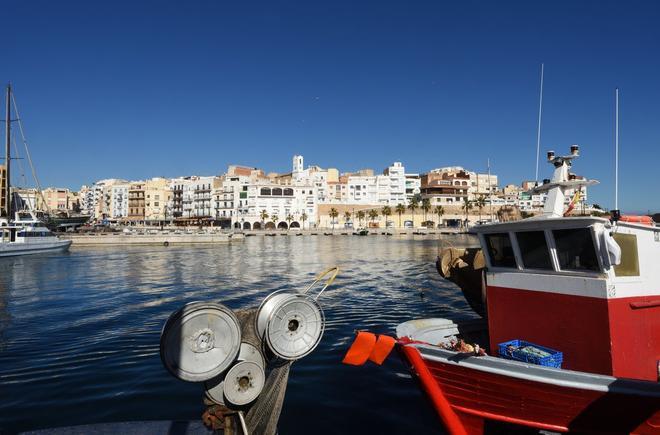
(167, 238)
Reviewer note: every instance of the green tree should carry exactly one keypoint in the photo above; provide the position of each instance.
(467, 206)
(263, 215)
(360, 216)
(387, 212)
(303, 218)
(373, 214)
(333, 215)
(439, 210)
(481, 203)
(274, 219)
(400, 209)
(347, 217)
(412, 206)
(426, 206)
(289, 218)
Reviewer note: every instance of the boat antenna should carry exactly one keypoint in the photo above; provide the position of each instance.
(7, 192)
(616, 213)
(490, 192)
(538, 128)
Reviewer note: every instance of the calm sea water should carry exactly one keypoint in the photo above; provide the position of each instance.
(79, 332)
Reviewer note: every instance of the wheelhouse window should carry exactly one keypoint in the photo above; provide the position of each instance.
(534, 250)
(500, 250)
(575, 249)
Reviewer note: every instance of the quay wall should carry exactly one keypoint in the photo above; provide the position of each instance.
(151, 239)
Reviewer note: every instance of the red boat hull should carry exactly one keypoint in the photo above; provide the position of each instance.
(467, 400)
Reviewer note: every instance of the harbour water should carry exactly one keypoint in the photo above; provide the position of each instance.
(79, 331)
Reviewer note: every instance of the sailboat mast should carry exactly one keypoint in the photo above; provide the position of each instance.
(7, 192)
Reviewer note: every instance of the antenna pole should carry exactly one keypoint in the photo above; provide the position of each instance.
(616, 149)
(7, 192)
(538, 129)
(490, 193)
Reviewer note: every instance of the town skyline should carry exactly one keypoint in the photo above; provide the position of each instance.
(170, 90)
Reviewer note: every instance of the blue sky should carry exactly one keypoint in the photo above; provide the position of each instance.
(139, 89)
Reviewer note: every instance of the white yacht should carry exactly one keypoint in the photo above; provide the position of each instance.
(25, 234)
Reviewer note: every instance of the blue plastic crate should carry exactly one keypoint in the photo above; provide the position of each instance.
(553, 360)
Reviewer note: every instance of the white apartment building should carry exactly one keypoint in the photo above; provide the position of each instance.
(230, 200)
(362, 188)
(119, 204)
(413, 186)
(287, 206)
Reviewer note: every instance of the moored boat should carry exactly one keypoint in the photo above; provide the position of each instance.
(585, 286)
(25, 234)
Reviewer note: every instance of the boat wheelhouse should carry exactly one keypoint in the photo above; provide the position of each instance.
(585, 286)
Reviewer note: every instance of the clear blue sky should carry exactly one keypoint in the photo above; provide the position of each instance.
(135, 89)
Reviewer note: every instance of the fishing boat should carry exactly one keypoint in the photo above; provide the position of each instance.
(586, 289)
(25, 233)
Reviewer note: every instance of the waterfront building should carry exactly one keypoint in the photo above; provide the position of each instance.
(446, 186)
(136, 202)
(413, 186)
(86, 195)
(158, 200)
(59, 200)
(119, 208)
(287, 206)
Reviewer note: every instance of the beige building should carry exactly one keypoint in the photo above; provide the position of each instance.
(136, 201)
(59, 200)
(158, 200)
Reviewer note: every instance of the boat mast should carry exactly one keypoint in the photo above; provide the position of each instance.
(7, 192)
(538, 129)
(616, 149)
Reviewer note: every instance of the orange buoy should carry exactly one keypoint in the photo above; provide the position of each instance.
(382, 349)
(359, 352)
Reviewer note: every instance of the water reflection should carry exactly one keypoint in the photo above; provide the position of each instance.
(79, 332)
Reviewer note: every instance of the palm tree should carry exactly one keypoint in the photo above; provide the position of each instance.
(274, 218)
(413, 205)
(263, 215)
(467, 206)
(303, 218)
(426, 206)
(481, 203)
(400, 209)
(439, 210)
(289, 218)
(386, 211)
(333, 214)
(373, 214)
(360, 216)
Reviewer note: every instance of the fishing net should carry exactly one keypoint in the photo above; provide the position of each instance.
(262, 415)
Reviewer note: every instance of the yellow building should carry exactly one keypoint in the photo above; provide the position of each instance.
(158, 199)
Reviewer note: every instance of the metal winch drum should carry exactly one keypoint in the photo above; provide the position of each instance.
(243, 384)
(200, 341)
(291, 324)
